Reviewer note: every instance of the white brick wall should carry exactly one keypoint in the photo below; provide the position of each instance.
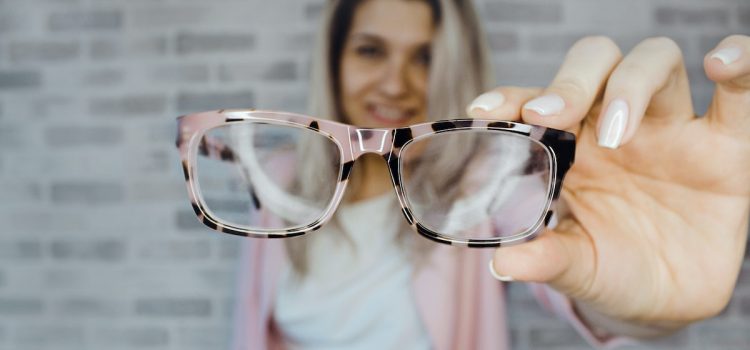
(98, 246)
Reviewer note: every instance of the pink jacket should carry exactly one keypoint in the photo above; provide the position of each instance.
(460, 303)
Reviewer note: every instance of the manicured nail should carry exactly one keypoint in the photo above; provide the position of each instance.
(728, 55)
(498, 276)
(546, 105)
(613, 124)
(487, 101)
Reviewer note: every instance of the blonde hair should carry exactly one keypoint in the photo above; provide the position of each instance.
(459, 71)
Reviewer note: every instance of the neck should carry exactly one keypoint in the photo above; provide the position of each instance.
(370, 178)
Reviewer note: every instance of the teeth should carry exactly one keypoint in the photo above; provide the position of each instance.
(389, 113)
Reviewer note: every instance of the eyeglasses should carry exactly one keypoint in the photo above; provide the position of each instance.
(471, 182)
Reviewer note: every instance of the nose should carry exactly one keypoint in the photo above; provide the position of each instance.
(395, 81)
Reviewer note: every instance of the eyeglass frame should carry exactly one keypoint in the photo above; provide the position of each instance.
(559, 144)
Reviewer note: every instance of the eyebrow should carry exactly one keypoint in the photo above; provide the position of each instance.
(364, 36)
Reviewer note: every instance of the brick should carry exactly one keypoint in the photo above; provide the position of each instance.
(744, 17)
(549, 337)
(75, 136)
(87, 307)
(19, 79)
(724, 337)
(28, 52)
(744, 305)
(503, 41)
(20, 250)
(154, 161)
(191, 43)
(139, 47)
(161, 190)
(185, 220)
(85, 20)
(20, 306)
(103, 250)
(276, 71)
(669, 15)
(229, 249)
(198, 102)
(128, 106)
(85, 192)
(182, 15)
(542, 13)
(525, 73)
(103, 78)
(130, 338)
(38, 220)
(175, 250)
(13, 138)
(553, 43)
(313, 11)
(48, 336)
(194, 73)
(203, 337)
(173, 307)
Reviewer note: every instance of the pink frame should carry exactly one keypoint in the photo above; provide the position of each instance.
(353, 142)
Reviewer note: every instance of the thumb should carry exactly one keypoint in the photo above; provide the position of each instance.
(564, 258)
(729, 66)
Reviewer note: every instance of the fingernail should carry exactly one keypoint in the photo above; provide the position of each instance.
(546, 105)
(498, 276)
(613, 124)
(728, 55)
(487, 101)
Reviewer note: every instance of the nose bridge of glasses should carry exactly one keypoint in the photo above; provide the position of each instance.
(371, 141)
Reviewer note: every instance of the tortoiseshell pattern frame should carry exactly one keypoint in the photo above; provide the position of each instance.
(354, 142)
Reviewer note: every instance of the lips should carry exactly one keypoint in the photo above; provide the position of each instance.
(390, 115)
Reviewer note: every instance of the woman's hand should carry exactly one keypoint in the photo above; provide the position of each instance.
(658, 198)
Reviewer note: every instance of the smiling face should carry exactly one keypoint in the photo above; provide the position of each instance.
(385, 64)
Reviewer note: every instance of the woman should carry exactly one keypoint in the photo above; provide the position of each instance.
(630, 235)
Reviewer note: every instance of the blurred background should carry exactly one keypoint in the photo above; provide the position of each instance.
(99, 248)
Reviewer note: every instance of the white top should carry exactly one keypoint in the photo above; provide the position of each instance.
(357, 294)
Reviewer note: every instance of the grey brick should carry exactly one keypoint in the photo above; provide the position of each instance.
(46, 51)
(313, 11)
(155, 161)
(185, 220)
(196, 337)
(159, 16)
(190, 43)
(744, 305)
(20, 250)
(546, 13)
(276, 71)
(726, 336)
(20, 306)
(193, 73)
(87, 307)
(554, 337)
(86, 192)
(13, 138)
(130, 338)
(74, 136)
(103, 77)
(173, 307)
(176, 250)
(744, 17)
(139, 47)
(40, 220)
(503, 41)
(19, 79)
(198, 102)
(553, 43)
(103, 250)
(128, 106)
(672, 15)
(48, 336)
(85, 20)
(170, 189)
(229, 249)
